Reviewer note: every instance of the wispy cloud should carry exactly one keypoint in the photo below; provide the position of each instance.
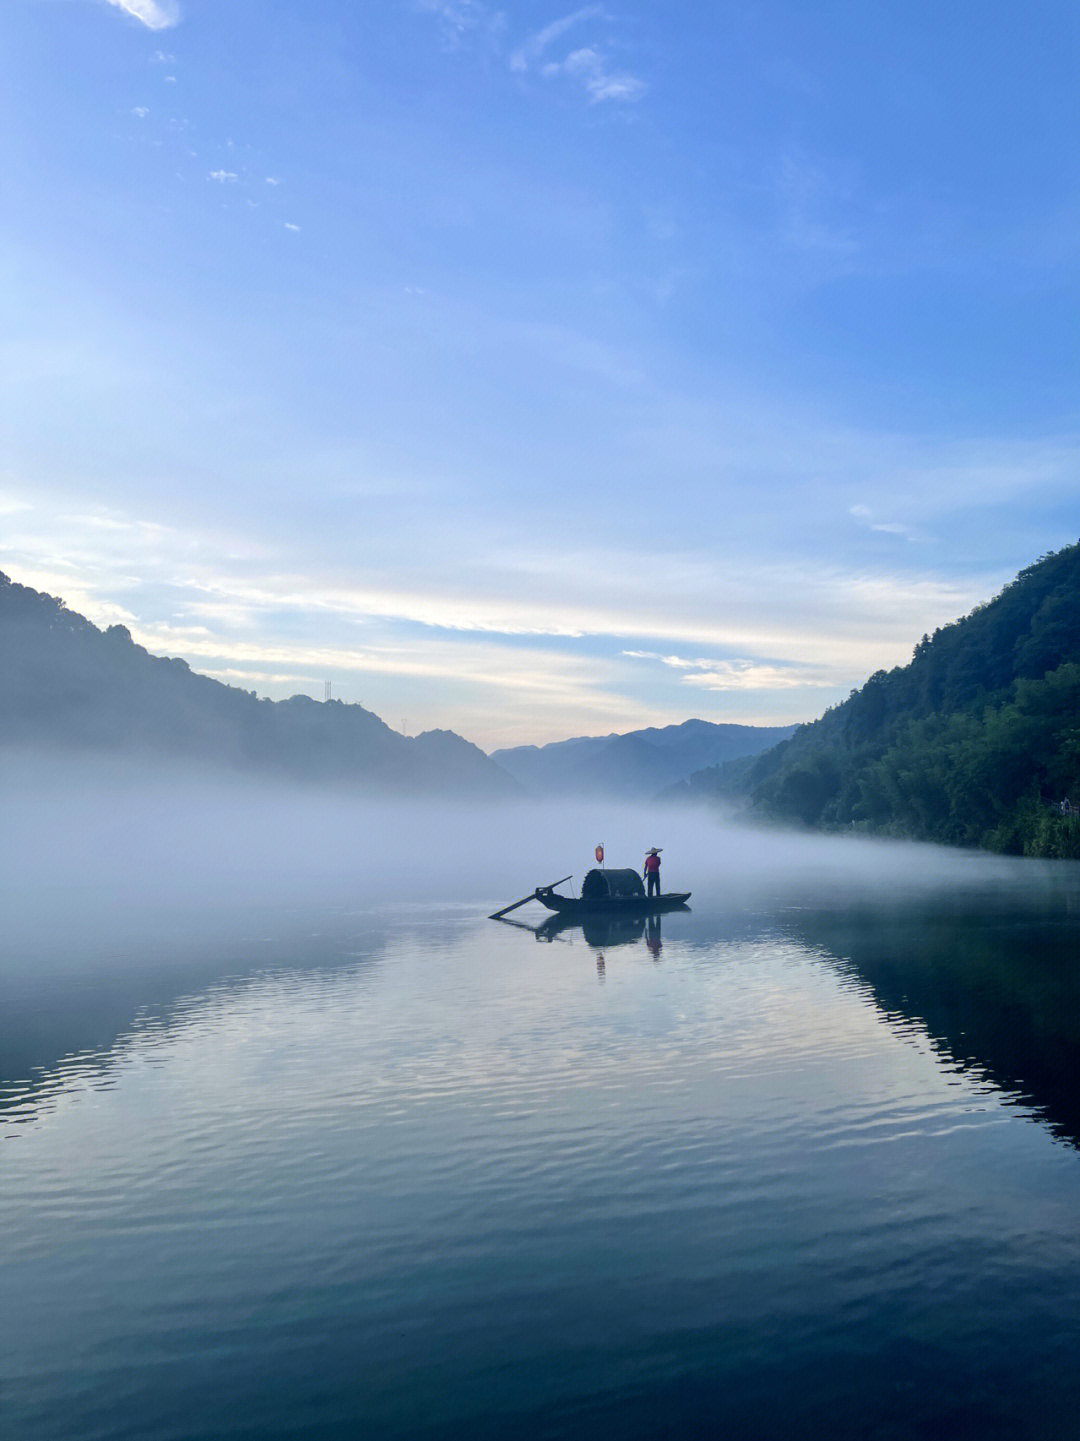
(784, 616)
(459, 19)
(600, 83)
(865, 516)
(223, 177)
(742, 674)
(586, 66)
(528, 54)
(460, 15)
(154, 14)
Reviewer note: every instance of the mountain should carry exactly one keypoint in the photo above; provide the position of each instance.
(976, 742)
(66, 685)
(636, 764)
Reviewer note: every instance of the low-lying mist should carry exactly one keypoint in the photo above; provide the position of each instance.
(89, 848)
(128, 893)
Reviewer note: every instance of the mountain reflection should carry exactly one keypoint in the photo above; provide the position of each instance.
(996, 988)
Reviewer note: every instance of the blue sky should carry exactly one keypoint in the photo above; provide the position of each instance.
(534, 370)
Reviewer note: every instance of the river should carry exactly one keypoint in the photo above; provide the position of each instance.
(801, 1161)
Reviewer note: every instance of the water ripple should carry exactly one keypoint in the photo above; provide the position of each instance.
(471, 1184)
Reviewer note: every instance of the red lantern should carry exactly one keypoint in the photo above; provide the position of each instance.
(600, 854)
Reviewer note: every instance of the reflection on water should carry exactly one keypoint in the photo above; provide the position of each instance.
(601, 931)
(65, 1016)
(997, 987)
(417, 1175)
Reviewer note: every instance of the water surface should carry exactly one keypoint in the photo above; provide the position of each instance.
(800, 1161)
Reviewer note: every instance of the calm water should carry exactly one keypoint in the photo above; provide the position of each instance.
(798, 1165)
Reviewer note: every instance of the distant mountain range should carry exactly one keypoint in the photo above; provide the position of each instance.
(976, 742)
(66, 685)
(636, 764)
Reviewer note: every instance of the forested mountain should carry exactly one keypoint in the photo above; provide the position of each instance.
(66, 685)
(635, 764)
(975, 742)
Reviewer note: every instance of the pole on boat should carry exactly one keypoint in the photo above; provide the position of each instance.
(496, 915)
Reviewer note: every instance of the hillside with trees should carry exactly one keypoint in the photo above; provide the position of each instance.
(66, 686)
(976, 742)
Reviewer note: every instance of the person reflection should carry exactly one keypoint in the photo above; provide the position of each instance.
(653, 938)
(601, 970)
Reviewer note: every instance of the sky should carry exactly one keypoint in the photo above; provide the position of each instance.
(537, 371)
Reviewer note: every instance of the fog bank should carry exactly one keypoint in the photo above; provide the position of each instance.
(88, 847)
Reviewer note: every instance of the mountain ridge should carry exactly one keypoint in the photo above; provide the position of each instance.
(69, 685)
(638, 763)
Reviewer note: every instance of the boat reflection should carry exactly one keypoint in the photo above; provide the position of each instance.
(602, 932)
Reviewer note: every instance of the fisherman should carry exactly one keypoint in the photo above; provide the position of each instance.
(651, 872)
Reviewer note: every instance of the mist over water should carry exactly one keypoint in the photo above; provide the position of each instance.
(105, 841)
(311, 1147)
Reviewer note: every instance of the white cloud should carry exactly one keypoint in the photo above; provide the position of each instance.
(502, 640)
(159, 57)
(894, 527)
(223, 177)
(528, 54)
(586, 66)
(744, 673)
(459, 14)
(864, 514)
(141, 111)
(273, 180)
(602, 85)
(154, 14)
(459, 19)
(581, 61)
(290, 226)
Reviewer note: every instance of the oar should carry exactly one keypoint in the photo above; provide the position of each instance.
(495, 915)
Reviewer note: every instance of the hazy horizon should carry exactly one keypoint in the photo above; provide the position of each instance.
(80, 826)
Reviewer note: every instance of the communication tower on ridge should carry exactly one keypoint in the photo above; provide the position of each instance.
(326, 691)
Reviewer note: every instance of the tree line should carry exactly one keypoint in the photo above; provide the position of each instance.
(975, 742)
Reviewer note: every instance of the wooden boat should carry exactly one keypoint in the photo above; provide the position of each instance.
(610, 905)
(610, 893)
(606, 893)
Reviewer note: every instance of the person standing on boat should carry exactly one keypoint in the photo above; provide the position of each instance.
(651, 872)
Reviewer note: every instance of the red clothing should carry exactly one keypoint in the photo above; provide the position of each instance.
(652, 863)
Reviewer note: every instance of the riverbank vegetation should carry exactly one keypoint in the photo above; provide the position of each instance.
(976, 742)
